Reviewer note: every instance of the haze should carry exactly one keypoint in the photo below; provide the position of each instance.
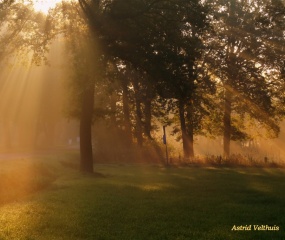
(55, 63)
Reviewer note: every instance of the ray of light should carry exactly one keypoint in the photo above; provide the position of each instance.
(31, 102)
(44, 5)
(255, 110)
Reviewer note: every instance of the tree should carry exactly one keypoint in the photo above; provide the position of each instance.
(165, 39)
(22, 31)
(272, 23)
(86, 60)
(236, 59)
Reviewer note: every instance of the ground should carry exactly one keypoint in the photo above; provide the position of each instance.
(140, 202)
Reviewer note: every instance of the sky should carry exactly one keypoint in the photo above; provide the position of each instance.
(45, 5)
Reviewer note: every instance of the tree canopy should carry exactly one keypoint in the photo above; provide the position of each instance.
(206, 67)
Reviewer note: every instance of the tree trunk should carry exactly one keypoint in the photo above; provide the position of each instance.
(148, 118)
(185, 137)
(86, 153)
(231, 74)
(113, 101)
(227, 122)
(126, 111)
(138, 130)
(190, 132)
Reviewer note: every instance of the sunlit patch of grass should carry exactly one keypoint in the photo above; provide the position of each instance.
(143, 202)
(156, 187)
(21, 177)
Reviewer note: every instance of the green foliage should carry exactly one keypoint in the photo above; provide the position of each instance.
(241, 56)
(183, 58)
(144, 60)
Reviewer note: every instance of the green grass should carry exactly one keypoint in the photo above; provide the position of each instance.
(21, 177)
(142, 202)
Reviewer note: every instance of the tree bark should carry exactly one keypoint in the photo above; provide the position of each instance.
(148, 118)
(138, 130)
(231, 69)
(126, 111)
(139, 135)
(113, 101)
(190, 132)
(185, 138)
(86, 153)
(227, 122)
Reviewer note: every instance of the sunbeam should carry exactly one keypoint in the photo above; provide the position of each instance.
(44, 5)
(32, 99)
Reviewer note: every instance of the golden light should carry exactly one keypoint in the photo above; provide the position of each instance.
(44, 5)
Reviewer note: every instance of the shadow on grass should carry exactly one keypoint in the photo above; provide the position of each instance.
(156, 203)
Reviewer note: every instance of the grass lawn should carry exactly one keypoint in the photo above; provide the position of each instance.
(142, 202)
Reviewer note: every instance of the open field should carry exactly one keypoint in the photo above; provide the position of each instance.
(142, 202)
